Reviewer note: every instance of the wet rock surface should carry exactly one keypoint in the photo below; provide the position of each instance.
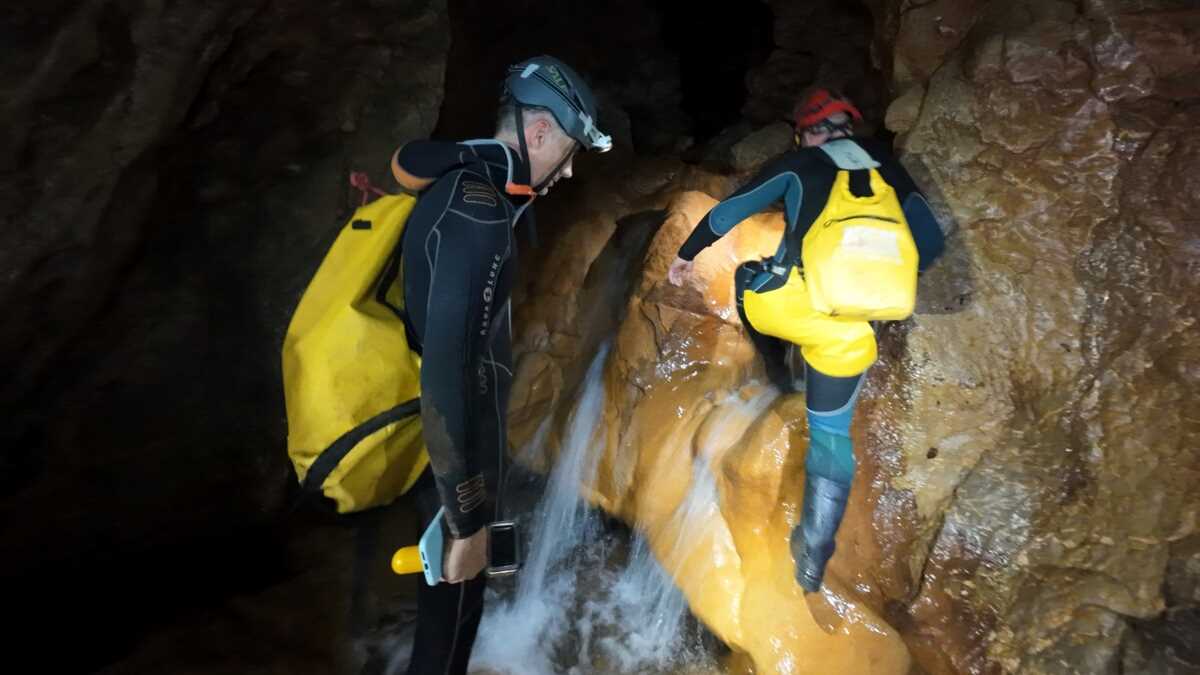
(761, 146)
(704, 460)
(1066, 454)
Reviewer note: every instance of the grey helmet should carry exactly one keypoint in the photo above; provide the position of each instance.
(546, 82)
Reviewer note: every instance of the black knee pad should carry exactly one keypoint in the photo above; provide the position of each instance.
(827, 393)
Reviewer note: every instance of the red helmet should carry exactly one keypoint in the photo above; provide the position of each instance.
(822, 104)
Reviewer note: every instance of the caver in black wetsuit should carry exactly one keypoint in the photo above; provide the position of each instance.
(458, 265)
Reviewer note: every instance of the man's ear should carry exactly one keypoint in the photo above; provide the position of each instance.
(539, 134)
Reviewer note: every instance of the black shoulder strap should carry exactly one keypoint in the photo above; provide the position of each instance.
(391, 272)
(817, 188)
(337, 451)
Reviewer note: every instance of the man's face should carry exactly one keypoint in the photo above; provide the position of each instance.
(549, 147)
(814, 136)
(565, 172)
(811, 138)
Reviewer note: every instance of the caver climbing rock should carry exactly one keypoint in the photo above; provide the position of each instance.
(858, 231)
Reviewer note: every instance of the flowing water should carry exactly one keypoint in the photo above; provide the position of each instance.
(591, 598)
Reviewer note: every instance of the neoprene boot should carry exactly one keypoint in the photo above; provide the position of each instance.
(813, 539)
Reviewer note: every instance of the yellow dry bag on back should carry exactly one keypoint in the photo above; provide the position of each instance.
(859, 257)
(352, 384)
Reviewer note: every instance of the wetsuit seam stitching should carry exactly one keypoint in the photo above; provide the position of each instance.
(492, 362)
(496, 388)
(477, 220)
(433, 261)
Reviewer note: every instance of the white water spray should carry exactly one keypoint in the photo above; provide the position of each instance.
(588, 601)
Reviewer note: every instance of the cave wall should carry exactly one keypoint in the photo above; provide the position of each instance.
(824, 41)
(171, 175)
(1063, 138)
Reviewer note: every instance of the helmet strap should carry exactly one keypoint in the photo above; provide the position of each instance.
(520, 184)
(558, 168)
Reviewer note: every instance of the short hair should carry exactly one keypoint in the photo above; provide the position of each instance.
(506, 122)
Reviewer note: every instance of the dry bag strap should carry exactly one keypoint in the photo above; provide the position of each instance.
(329, 458)
(361, 181)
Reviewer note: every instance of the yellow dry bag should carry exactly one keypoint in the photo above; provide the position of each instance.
(859, 257)
(352, 384)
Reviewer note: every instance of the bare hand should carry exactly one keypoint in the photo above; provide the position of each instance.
(465, 558)
(680, 270)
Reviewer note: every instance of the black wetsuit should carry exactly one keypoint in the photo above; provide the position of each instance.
(458, 265)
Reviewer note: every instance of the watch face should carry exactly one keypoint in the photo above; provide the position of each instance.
(502, 549)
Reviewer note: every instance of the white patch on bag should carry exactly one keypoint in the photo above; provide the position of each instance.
(871, 243)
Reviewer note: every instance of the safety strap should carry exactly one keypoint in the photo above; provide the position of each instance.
(513, 187)
(390, 273)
